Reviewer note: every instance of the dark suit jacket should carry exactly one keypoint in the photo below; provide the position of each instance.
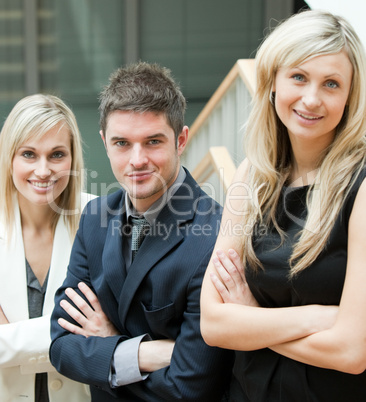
(159, 295)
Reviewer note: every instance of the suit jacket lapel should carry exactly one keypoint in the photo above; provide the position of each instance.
(59, 262)
(163, 237)
(13, 279)
(113, 262)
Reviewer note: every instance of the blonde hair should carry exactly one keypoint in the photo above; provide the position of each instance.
(267, 146)
(32, 117)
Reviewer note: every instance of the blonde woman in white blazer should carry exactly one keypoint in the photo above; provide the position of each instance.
(40, 203)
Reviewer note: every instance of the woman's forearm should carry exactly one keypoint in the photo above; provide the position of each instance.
(252, 328)
(334, 349)
(25, 343)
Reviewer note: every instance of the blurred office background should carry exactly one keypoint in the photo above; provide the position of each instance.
(69, 48)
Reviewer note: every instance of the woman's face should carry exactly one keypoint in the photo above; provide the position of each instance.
(311, 97)
(41, 167)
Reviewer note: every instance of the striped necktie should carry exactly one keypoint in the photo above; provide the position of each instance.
(140, 227)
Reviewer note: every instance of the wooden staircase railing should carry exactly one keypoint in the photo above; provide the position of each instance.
(216, 136)
(217, 160)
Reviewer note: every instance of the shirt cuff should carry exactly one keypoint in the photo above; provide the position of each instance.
(125, 367)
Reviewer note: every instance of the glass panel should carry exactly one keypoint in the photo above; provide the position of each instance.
(80, 44)
(11, 55)
(200, 41)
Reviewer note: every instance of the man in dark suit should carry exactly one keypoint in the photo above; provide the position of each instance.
(140, 339)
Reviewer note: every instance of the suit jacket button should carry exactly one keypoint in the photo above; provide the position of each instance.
(56, 385)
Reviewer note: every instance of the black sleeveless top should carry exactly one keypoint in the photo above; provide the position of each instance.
(263, 375)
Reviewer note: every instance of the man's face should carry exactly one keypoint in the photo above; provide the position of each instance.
(143, 154)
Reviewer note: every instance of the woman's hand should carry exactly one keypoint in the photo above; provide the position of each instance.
(3, 319)
(92, 320)
(230, 281)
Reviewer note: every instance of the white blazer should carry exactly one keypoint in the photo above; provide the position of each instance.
(24, 342)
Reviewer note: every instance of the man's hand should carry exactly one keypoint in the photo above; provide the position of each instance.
(3, 319)
(92, 320)
(154, 355)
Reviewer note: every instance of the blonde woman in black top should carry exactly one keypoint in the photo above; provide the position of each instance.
(296, 218)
